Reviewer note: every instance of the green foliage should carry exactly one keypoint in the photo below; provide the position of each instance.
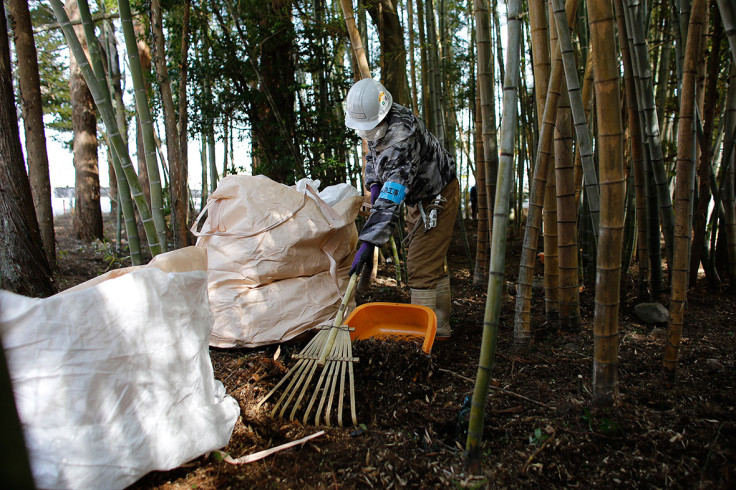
(538, 437)
(53, 67)
(234, 60)
(603, 424)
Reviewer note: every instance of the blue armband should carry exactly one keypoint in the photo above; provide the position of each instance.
(392, 191)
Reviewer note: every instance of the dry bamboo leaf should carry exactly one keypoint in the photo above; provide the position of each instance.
(267, 452)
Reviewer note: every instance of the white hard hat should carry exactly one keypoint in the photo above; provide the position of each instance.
(367, 104)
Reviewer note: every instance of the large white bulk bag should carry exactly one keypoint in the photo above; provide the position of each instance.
(277, 259)
(113, 378)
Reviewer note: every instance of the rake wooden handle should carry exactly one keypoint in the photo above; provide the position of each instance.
(338, 320)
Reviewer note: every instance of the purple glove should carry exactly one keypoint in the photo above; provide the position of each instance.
(362, 257)
(375, 191)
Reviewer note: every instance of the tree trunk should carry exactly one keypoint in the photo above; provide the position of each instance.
(391, 35)
(173, 150)
(31, 105)
(682, 191)
(87, 220)
(610, 142)
(272, 116)
(180, 175)
(23, 265)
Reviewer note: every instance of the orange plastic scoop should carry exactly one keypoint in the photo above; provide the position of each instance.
(393, 319)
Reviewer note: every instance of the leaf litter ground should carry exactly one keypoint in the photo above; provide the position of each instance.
(540, 428)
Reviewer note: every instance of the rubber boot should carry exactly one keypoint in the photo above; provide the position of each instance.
(428, 298)
(443, 308)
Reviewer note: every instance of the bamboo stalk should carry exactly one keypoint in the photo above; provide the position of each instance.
(397, 261)
(131, 228)
(704, 131)
(565, 177)
(637, 151)
(610, 141)
(412, 61)
(487, 159)
(664, 66)
(355, 42)
(728, 176)
(486, 86)
(629, 224)
(498, 248)
(682, 192)
(522, 314)
(540, 53)
(551, 266)
(650, 187)
(105, 108)
(578, 114)
(483, 247)
(728, 16)
(646, 103)
(551, 263)
(146, 121)
(435, 79)
(587, 95)
(125, 209)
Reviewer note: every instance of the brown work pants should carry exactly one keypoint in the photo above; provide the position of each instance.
(427, 250)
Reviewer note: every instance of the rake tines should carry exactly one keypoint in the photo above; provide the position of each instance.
(331, 352)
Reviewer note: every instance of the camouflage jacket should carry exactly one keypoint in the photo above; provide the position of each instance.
(409, 164)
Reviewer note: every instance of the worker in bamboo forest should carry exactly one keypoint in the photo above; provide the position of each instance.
(406, 163)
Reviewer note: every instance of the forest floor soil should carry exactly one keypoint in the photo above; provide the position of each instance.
(540, 428)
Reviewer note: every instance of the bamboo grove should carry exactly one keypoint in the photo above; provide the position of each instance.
(599, 132)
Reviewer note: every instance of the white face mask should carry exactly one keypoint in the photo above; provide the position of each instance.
(374, 134)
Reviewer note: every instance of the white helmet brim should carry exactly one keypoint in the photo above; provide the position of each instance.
(367, 104)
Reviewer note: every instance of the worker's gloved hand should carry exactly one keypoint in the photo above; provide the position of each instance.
(362, 257)
(375, 191)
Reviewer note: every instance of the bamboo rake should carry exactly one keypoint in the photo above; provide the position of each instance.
(331, 351)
